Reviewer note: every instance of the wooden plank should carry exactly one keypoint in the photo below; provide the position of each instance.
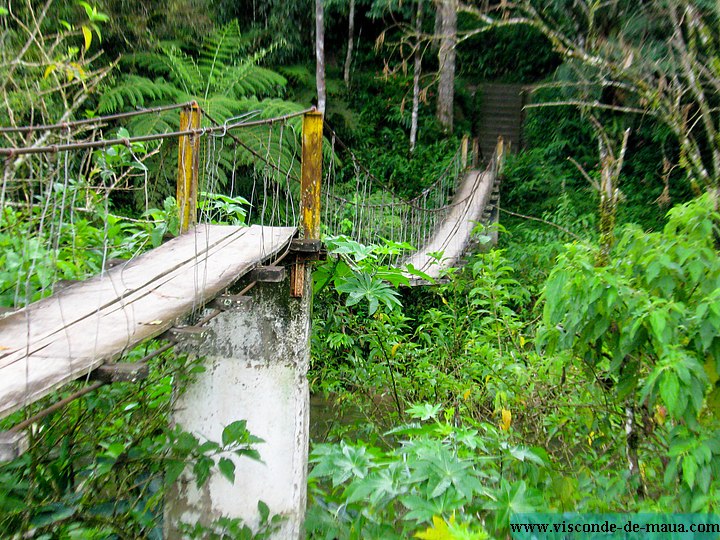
(121, 372)
(268, 274)
(453, 235)
(100, 319)
(118, 290)
(50, 315)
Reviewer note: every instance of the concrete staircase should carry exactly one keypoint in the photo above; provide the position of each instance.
(500, 114)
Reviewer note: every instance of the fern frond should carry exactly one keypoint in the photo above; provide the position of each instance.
(227, 160)
(222, 107)
(184, 71)
(299, 75)
(277, 147)
(135, 91)
(250, 80)
(226, 81)
(172, 64)
(220, 49)
(272, 107)
(154, 123)
(155, 63)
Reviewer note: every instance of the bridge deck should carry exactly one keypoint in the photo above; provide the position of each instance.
(453, 235)
(67, 335)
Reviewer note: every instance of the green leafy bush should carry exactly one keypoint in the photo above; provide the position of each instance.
(437, 470)
(647, 326)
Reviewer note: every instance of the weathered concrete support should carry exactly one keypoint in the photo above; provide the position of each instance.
(256, 362)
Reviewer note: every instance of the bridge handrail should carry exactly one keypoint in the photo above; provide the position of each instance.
(493, 166)
(93, 120)
(382, 184)
(52, 149)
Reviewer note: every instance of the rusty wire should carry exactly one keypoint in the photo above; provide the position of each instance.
(94, 120)
(246, 147)
(127, 141)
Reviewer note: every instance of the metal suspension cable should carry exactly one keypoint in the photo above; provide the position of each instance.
(94, 120)
(383, 185)
(245, 146)
(11, 152)
(411, 203)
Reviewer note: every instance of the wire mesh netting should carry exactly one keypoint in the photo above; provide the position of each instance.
(81, 197)
(367, 211)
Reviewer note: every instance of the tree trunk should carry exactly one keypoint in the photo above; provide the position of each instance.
(438, 24)
(611, 166)
(350, 44)
(446, 60)
(416, 77)
(320, 54)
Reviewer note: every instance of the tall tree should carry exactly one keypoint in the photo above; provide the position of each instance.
(447, 11)
(320, 54)
(417, 68)
(649, 58)
(350, 44)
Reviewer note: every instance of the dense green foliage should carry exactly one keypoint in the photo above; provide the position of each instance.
(42, 244)
(514, 54)
(224, 76)
(544, 171)
(519, 424)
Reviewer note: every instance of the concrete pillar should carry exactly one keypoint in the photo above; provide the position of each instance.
(256, 362)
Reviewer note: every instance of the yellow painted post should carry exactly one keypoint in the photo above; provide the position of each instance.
(311, 174)
(464, 152)
(310, 177)
(188, 166)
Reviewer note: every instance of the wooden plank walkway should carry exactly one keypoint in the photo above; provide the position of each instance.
(67, 335)
(454, 234)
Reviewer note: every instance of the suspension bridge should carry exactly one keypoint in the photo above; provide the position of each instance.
(192, 290)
